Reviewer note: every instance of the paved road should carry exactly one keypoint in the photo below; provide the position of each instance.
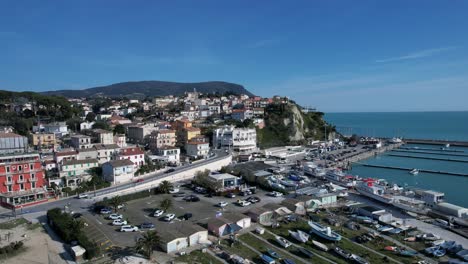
(81, 205)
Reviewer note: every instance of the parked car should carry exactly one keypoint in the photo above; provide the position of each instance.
(119, 222)
(106, 211)
(179, 194)
(230, 195)
(120, 206)
(222, 204)
(158, 213)
(275, 194)
(186, 216)
(140, 180)
(169, 217)
(191, 198)
(243, 203)
(115, 216)
(82, 196)
(147, 225)
(169, 171)
(253, 199)
(174, 190)
(128, 228)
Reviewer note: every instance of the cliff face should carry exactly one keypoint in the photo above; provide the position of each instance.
(287, 124)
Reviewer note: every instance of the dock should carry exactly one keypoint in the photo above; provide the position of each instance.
(430, 152)
(436, 142)
(432, 149)
(427, 158)
(409, 169)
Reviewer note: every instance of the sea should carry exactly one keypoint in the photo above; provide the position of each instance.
(415, 125)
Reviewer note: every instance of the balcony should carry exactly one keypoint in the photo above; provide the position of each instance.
(8, 183)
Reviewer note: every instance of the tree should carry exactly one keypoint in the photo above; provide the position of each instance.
(165, 187)
(119, 129)
(90, 117)
(165, 204)
(101, 125)
(201, 178)
(148, 242)
(115, 202)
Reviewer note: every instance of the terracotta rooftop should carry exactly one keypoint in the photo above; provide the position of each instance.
(131, 151)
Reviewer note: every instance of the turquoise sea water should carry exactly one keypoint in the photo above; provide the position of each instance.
(420, 125)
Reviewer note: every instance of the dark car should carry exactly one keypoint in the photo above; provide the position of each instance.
(147, 225)
(186, 216)
(230, 195)
(191, 198)
(253, 199)
(169, 171)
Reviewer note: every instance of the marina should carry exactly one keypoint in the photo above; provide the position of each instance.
(432, 158)
(409, 169)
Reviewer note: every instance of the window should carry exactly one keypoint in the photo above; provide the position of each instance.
(10, 188)
(9, 179)
(21, 177)
(20, 168)
(21, 186)
(31, 166)
(7, 168)
(33, 185)
(33, 176)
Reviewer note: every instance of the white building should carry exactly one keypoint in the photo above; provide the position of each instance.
(60, 129)
(137, 134)
(168, 154)
(240, 140)
(134, 154)
(183, 235)
(86, 125)
(197, 149)
(120, 140)
(104, 136)
(106, 152)
(118, 171)
(81, 141)
(224, 181)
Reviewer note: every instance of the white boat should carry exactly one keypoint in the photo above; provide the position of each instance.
(358, 259)
(339, 178)
(414, 172)
(319, 245)
(283, 242)
(299, 235)
(324, 232)
(370, 189)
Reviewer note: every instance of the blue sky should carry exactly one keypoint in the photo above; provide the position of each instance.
(335, 55)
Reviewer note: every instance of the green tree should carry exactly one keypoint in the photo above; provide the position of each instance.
(165, 187)
(101, 125)
(148, 242)
(115, 202)
(201, 178)
(90, 117)
(165, 204)
(119, 129)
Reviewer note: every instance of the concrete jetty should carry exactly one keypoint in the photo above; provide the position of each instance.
(436, 142)
(430, 152)
(427, 158)
(432, 149)
(409, 169)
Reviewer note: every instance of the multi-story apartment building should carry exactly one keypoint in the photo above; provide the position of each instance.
(134, 154)
(76, 171)
(81, 141)
(22, 180)
(197, 149)
(169, 154)
(43, 140)
(107, 152)
(161, 138)
(103, 136)
(118, 171)
(138, 134)
(60, 129)
(240, 140)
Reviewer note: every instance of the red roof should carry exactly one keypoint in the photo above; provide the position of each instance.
(132, 151)
(65, 153)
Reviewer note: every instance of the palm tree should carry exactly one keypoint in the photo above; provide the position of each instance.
(165, 186)
(165, 204)
(148, 242)
(115, 202)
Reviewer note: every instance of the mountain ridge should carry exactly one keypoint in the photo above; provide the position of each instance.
(153, 88)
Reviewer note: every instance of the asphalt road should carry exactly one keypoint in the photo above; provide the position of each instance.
(81, 205)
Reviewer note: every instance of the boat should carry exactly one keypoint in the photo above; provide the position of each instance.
(410, 239)
(429, 237)
(267, 259)
(448, 244)
(363, 219)
(385, 228)
(408, 253)
(438, 242)
(294, 177)
(357, 259)
(414, 171)
(390, 248)
(283, 242)
(299, 235)
(436, 251)
(395, 231)
(447, 145)
(306, 252)
(369, 188)
(324, 232)
(288, 261)
(342, 253)
(288, 183)
(319, 245)
(339, 178)
(273, 253)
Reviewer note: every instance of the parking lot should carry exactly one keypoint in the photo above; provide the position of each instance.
(139, 211)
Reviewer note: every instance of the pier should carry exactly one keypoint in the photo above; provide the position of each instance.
(427, 158)
(436, 142)
(432, 149)
(430, 152)
(409, 169)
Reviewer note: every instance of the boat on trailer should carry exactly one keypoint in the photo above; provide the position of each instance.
(299, 235)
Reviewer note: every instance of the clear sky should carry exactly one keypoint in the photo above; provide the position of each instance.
(335, 55)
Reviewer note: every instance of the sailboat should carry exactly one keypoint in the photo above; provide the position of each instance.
(299, 235)
(414, 172)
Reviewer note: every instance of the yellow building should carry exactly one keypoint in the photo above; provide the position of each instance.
(44, 140)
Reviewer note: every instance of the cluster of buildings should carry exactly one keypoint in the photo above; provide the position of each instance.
(55, 155)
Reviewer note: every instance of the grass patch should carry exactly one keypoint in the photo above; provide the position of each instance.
(34, 226)
(239, 249)
(199, 257)
(13, 223)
